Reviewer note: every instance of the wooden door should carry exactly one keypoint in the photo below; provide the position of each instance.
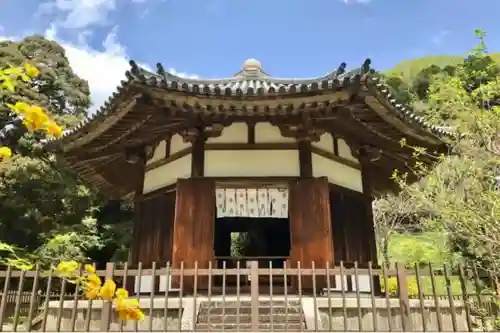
(311, 235)
(193, 228)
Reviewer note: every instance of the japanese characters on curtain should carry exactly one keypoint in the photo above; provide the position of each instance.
(254, 202)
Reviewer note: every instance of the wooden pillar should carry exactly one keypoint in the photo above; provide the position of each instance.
(138, 198)
(369, 223)
(197, 138)
(305, 158)
(135, 246)
(311, 236)
(193, 227)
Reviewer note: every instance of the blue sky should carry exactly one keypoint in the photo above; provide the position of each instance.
(292, 38)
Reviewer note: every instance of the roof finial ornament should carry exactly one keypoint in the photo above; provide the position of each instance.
(159, 69)
(366, 65)
(252, 64)
(341, 69)
(251, 67)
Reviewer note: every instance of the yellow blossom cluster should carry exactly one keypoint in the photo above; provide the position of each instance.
(5, 153)
(34, 117)
(127, 308)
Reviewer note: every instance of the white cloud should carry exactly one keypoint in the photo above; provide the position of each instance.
(102, 69)
(80, 13)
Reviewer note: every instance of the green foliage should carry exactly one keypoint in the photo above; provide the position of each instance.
(461, 194)
(408, 70)
(58, 88)
(45, 211)
(421, 248)
(37, 199)
(425, 286)
(71, 245)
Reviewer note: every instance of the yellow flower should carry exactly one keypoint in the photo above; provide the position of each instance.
(31, 70)
(89, 268)
(92, 286)
(35, 118)
(108, 290)
(19, 107)
(67, 268)
(5, 153)
(131, 314)
(13, 71)
(91, 291)
(126, 303)
(7, 83)
(94, 280)
(121, 293)
(128, 309)
(54, 129)
(20, 264)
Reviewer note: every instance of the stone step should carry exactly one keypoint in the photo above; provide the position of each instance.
(249, 303)
(296, 327)
(247, 310)
(247, 318)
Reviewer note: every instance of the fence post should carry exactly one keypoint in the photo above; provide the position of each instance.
(107, 305)
(404, 302)
(254, 294)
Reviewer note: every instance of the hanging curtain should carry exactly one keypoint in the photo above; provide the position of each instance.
(260, 202)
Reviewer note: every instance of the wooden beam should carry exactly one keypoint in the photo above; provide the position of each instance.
(168, 144)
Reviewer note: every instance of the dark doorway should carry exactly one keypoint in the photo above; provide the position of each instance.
(264, 239)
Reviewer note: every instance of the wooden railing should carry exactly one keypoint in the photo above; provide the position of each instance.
(317, 298)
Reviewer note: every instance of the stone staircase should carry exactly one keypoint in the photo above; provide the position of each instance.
(286, 316)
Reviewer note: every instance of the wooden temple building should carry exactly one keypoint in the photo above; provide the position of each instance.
(294, 162)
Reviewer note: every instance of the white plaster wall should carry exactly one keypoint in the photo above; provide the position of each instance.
(337, 173)
(167, 174)
(147, 285)
(345, 151)
(177, 144)
(159, 152)
(252, 163)
(325, 143)
(235, 133)
(267, 133)
(364, 283)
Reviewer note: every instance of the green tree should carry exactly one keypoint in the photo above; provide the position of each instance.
(44, 208)
(462, 193)
(57, 88)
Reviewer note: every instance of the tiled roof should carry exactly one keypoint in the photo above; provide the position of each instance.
(252, 81)
(247, 82)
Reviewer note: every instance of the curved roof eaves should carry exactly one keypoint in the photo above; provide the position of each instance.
(247, 85)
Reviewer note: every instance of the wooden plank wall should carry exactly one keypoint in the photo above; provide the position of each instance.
(352, 226)
(153, 229)
(193, 227)
(311, 234)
